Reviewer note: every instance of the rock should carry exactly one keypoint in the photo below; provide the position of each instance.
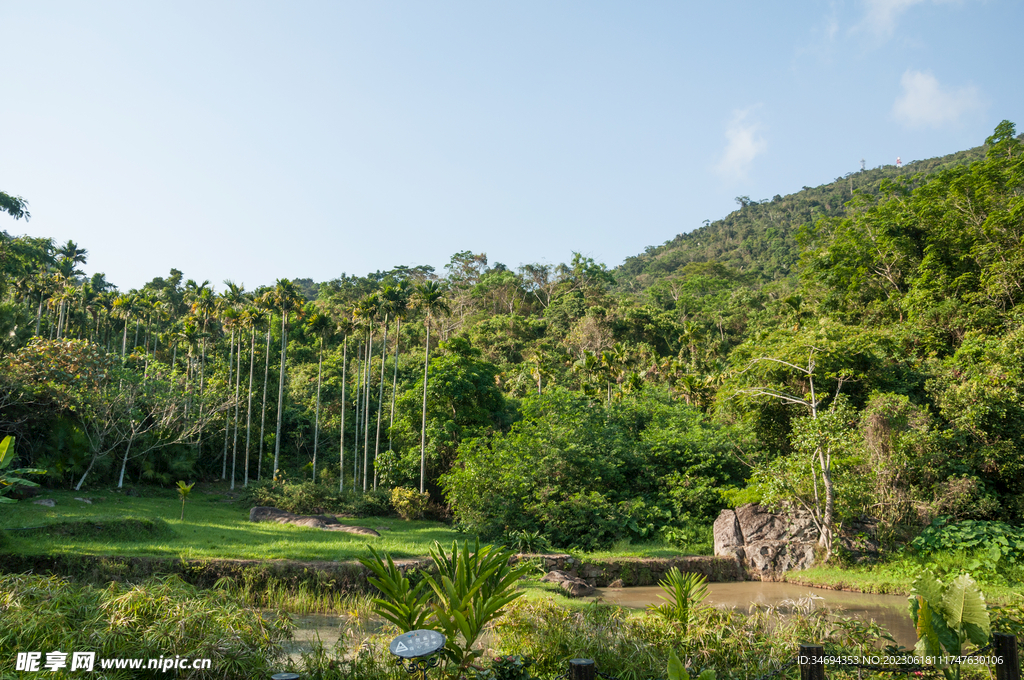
(48, 502)
(84, 500)
(766, 544)
(617, 583)
(267, 514)
(132, 492)
(22, 493)
(574, 587)
(727, 531)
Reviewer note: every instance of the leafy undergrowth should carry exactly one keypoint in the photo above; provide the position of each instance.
(896, 575)
(158, 618)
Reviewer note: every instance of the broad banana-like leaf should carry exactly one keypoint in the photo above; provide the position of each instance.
(708, 674)
(676, 671)
(928, 643)
(963, 605)
(6, 451)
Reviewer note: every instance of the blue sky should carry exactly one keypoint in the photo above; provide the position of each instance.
(252, 141)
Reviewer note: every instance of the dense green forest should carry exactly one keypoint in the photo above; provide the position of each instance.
(855, 348)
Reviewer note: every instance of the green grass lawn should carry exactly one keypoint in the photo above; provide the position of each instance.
(897, 575)
(215, 526)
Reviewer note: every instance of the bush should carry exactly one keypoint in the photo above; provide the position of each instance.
(310, 498)
(409, 503)
(994, 546)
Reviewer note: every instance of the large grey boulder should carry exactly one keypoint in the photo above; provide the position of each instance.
(575, 587)
(766, 544)
(267, 514)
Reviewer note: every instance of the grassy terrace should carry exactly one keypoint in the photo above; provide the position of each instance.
(215, 526)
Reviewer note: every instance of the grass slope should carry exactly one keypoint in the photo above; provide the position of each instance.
(214, 527)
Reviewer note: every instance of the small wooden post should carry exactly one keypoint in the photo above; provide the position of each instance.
(811, 667)
(582, 669)
(1005, 646)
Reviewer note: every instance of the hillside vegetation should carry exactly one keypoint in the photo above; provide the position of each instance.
(853, 354)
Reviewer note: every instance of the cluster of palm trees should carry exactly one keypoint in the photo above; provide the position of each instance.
(180, 324)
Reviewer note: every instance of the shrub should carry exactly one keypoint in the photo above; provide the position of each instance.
(310, 498)
(409, 503)
(994, 546)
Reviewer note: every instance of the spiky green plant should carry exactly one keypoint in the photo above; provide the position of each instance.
(683, 595)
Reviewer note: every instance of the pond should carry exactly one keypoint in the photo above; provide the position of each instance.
(889, 611)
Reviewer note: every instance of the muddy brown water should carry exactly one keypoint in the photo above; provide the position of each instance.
(889, 611)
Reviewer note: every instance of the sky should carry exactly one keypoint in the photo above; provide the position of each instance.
(251, 141)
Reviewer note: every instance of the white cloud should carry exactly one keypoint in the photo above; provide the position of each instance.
(927, 103)
(880, 16)
(744, 143)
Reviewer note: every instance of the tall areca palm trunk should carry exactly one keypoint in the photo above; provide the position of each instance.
(248, 412)
(227, 414)
(341, 444)
(316, 426)
(394, 380)
(423, 426)
(380, 399)
(234, 444)
(280, 390)
(263, 409)
(366, 410)
(359, 410)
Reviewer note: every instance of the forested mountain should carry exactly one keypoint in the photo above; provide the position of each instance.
(759, 239)
(852, 356)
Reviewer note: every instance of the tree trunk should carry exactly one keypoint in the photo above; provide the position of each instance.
(316, 426)
(248, 412)
(380, 400)
(238, 380)
(341, 445)
(366, 411)
(227, 414)
(263, 411)
(280, 391)
(124, 464)
(359, 411)
(394, 382)
(78, 487)
(423, 425)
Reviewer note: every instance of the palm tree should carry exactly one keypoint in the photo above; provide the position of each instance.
(318, 324)
(367, 310)
(252, 318)
(286, 298)
(202, 305)
(265, 303)
(344, 327)
(124, 308)
(386, 303)
(228, 304)
(430, 298)
(229, 321)
(400, 305)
